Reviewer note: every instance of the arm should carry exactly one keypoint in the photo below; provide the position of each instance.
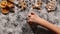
(49, 25)
(32, 17)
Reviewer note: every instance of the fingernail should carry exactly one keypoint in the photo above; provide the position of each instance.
(32, 13)
(29, 16)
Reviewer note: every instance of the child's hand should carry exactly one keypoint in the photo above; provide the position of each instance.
(32, 17)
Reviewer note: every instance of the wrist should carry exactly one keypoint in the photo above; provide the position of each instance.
(39, 20)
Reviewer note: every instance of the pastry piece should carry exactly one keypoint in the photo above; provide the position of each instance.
(22, 5)
(10, 5)
(37, 5)
(34, 7)
(6, 6)
(3, 4)
(51, 5)
(11, 0)
(5, 11)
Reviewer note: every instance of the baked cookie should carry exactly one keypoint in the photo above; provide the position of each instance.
(51, 5)
(3, 4)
